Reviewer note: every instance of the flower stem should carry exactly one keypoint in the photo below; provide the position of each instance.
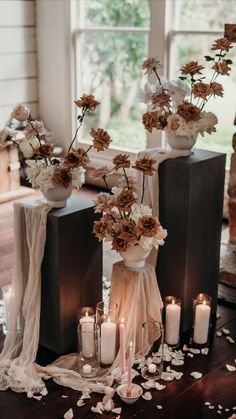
(158, 78)
(39, 140)
(126, 177)
(143, 188)
(105, 181)
(76, 132)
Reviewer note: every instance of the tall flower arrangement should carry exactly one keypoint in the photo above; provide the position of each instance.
(44, 169)
(124, 221)
(178, 106)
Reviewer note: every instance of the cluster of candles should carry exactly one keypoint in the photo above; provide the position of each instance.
(201, 319)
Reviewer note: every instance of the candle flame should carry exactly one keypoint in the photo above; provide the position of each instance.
(173, 301)
(131, 344)
(204, 301)
(108, 319)
(86, 314)
(122, 320)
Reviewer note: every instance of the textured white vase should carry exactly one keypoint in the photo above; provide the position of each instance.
(57, 197)
(182, 143)
(134, 257)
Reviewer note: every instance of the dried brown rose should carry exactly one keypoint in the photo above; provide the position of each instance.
(148, 226)
(201, 90)
(125, 200)
(217, 89)
(222, 68)
(62, 177)
(151, 64)
(88, 102)
(150, 120)
(101, 139)
(145, 165)
(192, 68)
(45, 150)
(72, 160)
(189, 112)
(118, 244)
(222, 44)
(121, 161)
(161, 99)
(100, 229)
(104, 202)
(128, 231)
(84, 159)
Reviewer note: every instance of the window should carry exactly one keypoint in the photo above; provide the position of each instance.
(197, 24)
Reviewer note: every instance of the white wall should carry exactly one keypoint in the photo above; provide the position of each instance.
(18, 62)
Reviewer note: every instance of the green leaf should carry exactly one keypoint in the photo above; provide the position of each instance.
(182, 78)
(229, 61)
(208, 58)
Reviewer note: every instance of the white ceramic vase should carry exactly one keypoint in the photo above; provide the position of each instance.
(182, 143)
(57, 197)
(134, 257)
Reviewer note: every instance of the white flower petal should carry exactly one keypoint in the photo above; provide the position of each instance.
(226, 331)
(229, 339)
(159, 406)
(219, 334)
(96, 410)
(69, 414)
(204, 351)
(196, 374)
(117, 410)
(194, 351)
(80, 403)
(230, 367)
(147, 396)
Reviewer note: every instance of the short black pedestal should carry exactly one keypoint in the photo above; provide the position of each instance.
(191, 202)
(71, 273)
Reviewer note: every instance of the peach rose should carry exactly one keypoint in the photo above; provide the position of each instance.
(20, 112)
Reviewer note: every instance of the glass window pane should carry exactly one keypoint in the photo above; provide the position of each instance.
(111, 70)
(188, 48)
(205, 14)
(116, 12)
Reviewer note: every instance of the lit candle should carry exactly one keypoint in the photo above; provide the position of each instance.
(201, 323)
(87, 369)
(108, 342)
(130, 363)
(172, 325)
(122, 346)
(152, 368)
(87, 329)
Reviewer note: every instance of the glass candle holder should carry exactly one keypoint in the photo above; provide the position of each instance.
(106, 318)
(201, 319)
(85, 314)
(172, 316)
(10, 321)
(152, 350)
(88, 349)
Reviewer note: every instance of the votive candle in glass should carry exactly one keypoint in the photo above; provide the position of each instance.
(106, 317)
(172, 320)
(201, 315)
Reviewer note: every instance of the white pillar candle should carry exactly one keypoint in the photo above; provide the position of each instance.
(122, 346)
(87, 335)
(152, 368)
(87, 369)
(173, 312)
(201, 323)
(108, 342)
(130, 363)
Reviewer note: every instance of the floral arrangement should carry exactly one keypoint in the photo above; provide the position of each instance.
(124, 221)
(177, 106)
(46, 171)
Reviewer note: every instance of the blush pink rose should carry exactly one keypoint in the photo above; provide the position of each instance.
(20, 112)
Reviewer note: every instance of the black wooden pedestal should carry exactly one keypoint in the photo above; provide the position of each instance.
(191, 202)
(71, 273)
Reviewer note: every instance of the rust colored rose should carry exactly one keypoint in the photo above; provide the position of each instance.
(72, 159)
(101, 139)
(217, 89)
(161, 99)
(145, 165)
(84, 159)
(45, 150)
(222, 68)
(201, 90)
(118, 244)
(148, 226)
(121, 161)
(222, 43)
(128, 231)
(189, 112)
(100, 229)
(88, 102)
(192, 68)
(150, 120)
(151, 64)
(125, 200)
(62, 177)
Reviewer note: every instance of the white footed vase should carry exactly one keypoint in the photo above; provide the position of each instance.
(134, 257)
(57, 197)
(182, 143)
